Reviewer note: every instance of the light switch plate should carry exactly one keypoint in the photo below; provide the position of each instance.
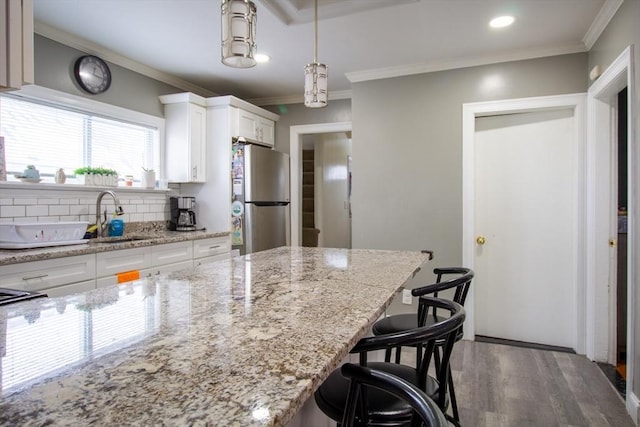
(406, 296)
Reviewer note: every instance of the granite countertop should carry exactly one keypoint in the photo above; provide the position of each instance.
(133, 239)
(238, 342)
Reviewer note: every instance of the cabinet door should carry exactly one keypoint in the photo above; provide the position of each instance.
(185, 125)
(197, 142)
(16, 39)
(247, 125)
(115, 262)
(267, 131)
(47, 274)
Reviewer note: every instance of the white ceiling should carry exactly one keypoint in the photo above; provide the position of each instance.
(178, 41)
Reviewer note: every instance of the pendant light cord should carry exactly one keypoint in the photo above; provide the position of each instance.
(315, 46)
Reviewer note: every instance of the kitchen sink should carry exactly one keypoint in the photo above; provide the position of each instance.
(118, 239)
(23, 235)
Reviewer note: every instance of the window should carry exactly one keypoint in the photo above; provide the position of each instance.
(52, 136)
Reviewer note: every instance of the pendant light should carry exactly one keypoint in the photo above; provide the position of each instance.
(238, 33)
(315, 76)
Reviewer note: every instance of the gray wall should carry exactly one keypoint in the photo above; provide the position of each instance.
(54, 70)
(622, 31)
(298, 114)
(407, 148)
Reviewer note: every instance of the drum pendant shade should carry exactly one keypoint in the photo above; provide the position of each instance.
(238, 33)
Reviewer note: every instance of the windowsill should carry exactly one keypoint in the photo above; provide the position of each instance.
(76, 187)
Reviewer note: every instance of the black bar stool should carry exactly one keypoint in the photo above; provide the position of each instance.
(402, 322)
(382, 409)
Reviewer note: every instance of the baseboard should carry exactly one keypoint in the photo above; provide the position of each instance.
(524, 344)
(633, 407)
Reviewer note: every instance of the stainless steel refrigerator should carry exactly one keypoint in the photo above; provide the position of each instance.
(260, 198)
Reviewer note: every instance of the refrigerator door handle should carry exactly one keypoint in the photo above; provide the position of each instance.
(270, 203)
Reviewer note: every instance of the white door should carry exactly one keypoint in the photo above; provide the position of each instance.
(525, 209)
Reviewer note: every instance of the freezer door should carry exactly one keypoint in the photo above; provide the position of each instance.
(266, 175)
(265, 227)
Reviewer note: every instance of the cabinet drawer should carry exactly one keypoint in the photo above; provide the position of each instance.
(45, 274)
(114, 262)
(171, 253)
(212, 246)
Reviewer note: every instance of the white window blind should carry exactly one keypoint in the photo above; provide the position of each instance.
(52, 137)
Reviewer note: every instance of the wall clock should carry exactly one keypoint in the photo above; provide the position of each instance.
(92, 74)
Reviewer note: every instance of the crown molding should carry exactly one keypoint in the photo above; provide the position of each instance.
(429, 67)
(607, 11)
(297, 99)
(110, 56)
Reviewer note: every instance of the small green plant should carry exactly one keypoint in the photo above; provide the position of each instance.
(147, 170)
(88, 170)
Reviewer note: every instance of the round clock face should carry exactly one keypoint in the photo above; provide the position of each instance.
(93, 74)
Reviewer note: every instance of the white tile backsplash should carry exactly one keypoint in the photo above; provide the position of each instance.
(58, 210)
(37, 210)
(13, 211)
(39, 204)
(22, 201)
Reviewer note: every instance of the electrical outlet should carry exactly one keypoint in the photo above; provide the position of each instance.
(406, 296)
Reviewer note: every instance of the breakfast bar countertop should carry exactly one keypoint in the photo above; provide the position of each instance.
(238, 342)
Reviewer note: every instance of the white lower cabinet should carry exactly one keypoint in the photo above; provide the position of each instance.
(48, 275)
(148, 261)
(68, 275)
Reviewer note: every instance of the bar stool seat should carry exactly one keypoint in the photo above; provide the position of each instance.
(363, 379)
(333, 394)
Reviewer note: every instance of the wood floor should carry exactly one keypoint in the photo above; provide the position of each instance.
(503, 386)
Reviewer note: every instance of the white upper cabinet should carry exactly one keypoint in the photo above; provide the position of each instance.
(185, 136)
(16, 44)
(246, 120)
(253, 127)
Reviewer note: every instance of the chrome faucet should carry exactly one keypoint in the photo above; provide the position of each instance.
(102, 225)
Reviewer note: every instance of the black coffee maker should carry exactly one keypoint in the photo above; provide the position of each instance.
(183, 216)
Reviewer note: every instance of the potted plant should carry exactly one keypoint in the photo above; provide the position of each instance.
(101, 177)
(148, 178)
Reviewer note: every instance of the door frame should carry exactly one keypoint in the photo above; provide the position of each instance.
(471, 111)
(602, 143)
(295, 153)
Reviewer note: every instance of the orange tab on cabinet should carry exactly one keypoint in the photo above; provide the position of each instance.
(128, 276)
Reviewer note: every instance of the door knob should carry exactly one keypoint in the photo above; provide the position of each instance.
(480, 240)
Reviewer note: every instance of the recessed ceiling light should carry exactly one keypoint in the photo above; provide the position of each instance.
(261, 57)
(501, 21)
